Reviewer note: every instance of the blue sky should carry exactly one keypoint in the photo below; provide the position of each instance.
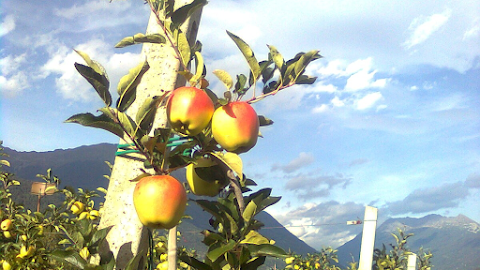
(393, 120)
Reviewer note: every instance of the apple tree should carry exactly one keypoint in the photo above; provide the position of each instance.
(164, 126)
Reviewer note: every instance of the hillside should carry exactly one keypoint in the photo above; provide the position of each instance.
(454, 241)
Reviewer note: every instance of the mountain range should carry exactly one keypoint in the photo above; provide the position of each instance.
(454, 241)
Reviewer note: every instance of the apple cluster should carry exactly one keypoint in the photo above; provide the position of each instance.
(235, 126)
(160, 200)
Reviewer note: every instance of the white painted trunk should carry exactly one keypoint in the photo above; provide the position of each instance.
(128, 236)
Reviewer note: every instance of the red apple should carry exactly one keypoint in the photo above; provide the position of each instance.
(160, 201)
(235, 127)
(189, 110)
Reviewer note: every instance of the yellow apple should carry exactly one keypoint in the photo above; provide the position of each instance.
(6, 265)
(77, 207)
(235, 127)
(189, 110)
(6, 224)
(202, 187)
(160, 201)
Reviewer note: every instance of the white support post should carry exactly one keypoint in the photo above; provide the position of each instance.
(368, 238)
(412, 262)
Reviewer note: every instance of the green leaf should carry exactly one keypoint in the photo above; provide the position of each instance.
(146, 113)
(127, 87)
(220, 250)
(266, 250)
(248, 54)
(102, 121)
(210, 207)
(224, 77)
(183, 46)
(141, 38)
(254, 263)
(69, 256)
(196, 264)
(255, 238)
(199, 69)
(232, 160)
(250, 210)
(100, 235)
(99, 82)
(180, 15)
(264, 121)
(240, 84)
(276, 57)
(304, 60)
(305, 79)
(134, 262)
(92, 63)
(5, 162)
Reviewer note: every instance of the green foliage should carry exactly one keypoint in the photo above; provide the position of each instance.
(234, 242)
(323, 260)
(396, 257)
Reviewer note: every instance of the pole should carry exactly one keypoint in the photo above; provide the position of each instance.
(412, 262)
(128, 236)
(368, 238)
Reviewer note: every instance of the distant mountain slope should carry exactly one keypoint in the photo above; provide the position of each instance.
(85, 166)
(454, 241)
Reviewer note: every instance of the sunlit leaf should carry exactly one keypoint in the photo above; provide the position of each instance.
(276, 57)
(224, 77)
(232, 160)
(222, 249)
(5, 162)
(141, 38)
(92, 63)
(200, 67)
(255, 238)
(183, 46)
(304, 60)
(127, 87)
(248, 54)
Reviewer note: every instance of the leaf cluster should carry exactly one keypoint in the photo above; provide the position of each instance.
(234, 242)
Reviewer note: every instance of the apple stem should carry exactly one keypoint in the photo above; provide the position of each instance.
(237, 190)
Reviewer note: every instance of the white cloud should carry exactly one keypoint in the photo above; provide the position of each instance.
(303, 159)
(10, 64)
(13, 80)
(320, 109)
(7, 25)
(368, 101)
(472, 32)
(70, 84)
(89, 8)
(13, 85)
(422, 28)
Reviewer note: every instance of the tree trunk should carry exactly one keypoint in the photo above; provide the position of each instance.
(128, 236)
